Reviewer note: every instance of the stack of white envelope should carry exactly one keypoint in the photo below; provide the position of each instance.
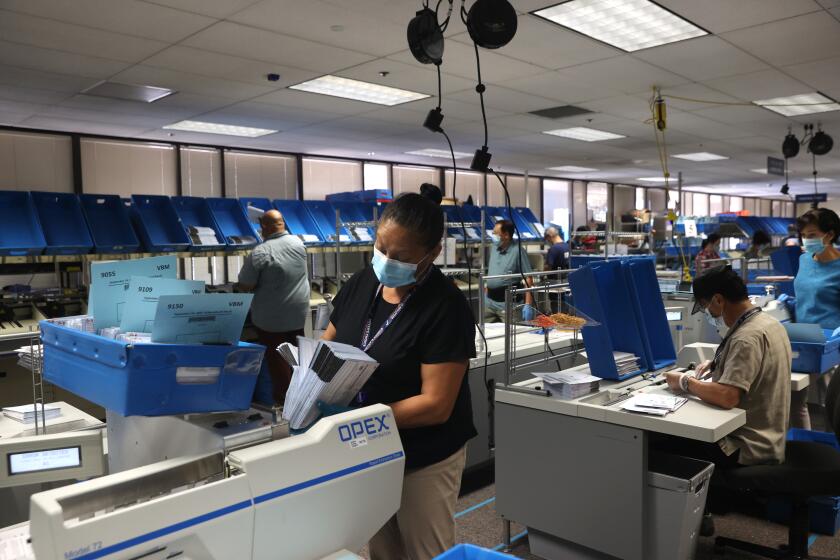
(331, 372)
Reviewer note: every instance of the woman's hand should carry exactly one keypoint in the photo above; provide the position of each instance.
(440, 384)
(329, 334)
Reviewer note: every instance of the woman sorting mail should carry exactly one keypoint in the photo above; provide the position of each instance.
(418, 325)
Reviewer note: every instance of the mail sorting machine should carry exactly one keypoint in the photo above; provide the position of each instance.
(245, 490)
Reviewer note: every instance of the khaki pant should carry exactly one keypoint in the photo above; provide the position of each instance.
(424, 526)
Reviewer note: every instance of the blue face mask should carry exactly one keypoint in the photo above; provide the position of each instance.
(813, 246)
(495, 239)
(391, 272)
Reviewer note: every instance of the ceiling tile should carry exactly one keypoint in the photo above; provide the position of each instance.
(412, 117)
(557, 86)
(636, 108)
(46, 81)
(459, 60)
(81, 126)
(67, 64)
(623, 73)
(190, 83)
(740, 116)
(469, 111)
(703, 58)
(138, 19)
(258, 44)
(801, 39)
(759, 85)
(314, 19)
(265, 115)
(545, 44)
(39, 96)
(719, 16)
(413, 77)
(40, 32)
(11, 119)
(702, 126)
(821, 75)
(533, 123)
(691, 97)
(213, 8)
(206, 63)
(507, 100)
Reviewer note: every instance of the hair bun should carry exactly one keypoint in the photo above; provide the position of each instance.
(432, 192)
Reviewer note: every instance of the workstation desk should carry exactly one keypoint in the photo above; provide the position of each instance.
(574, 472)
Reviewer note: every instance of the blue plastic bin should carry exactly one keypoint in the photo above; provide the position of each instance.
(300, 222)
(20, 230)
(601, 291)
(64, 226)
(233, 223)
(109, 223)
(142, 379)
(158, 224)
(470, 214)
(323, 215)
(263, 204)
(525, 229)
(824, 511)
(650, 313)
(528, 217)
(813, 357)
(471, 552)
(356, 212)
(194, 211)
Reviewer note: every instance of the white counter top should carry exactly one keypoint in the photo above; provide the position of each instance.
(71, 419)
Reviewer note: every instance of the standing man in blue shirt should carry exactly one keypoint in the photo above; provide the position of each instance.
(506, 257)
(558, 251)
(276, 272)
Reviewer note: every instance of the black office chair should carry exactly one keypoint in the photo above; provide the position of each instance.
(810, 469)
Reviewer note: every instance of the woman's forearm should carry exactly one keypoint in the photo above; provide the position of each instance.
(419, 411)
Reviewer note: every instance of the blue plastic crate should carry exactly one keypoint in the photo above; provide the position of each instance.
(233, 223)
(109, 223)
(20, 229)
(263, 204)
(143, 379)
(300, 222)
(323, 215)
(471, 552)
(813, 357)
(64, 226)
(824, 511)
(158, 224)
(470, 214)
(526, 230)
(194, 211)
(356, 212)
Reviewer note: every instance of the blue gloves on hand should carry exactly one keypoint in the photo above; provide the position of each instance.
(528, 313)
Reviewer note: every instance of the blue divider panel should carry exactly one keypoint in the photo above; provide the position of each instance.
(650, 312)
(158, 224)
(601, 292)
(63, 224)
(233, 223)
(356, 212)
(194, 211)
(300, 222)
(110, 224)
(20, 231)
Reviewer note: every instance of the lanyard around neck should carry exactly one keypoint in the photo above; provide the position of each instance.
(741, 320)
(367, 342)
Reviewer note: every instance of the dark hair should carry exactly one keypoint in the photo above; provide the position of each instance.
(419, 213)
(713, 238)
(721, 280)
(506, 226)
(825, 219)
(760, 237)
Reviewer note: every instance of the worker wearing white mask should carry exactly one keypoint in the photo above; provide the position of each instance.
(418, 325)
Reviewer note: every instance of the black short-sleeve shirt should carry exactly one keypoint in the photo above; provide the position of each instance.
(557, 257)
(435, 326)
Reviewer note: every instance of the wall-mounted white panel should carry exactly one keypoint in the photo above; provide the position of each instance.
(408, 178)
(30, 162)
(126, 168)
(260, 175)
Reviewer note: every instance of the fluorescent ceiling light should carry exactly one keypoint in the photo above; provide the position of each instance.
(434, 152)
(573, 169)
(700, 156)
(795, 105)
(763, 171)
(653, 179)
(819, 180)
(630, 25)
(346, 88)
(583, 133)
(217, 128)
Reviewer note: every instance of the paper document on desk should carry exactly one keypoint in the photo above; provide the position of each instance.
(109, 285)
(570, 384)
(200, 319)
(142, 299)
(27, 413)
(657, 405)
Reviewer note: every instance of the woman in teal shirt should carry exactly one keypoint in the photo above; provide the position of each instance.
(817, 288)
